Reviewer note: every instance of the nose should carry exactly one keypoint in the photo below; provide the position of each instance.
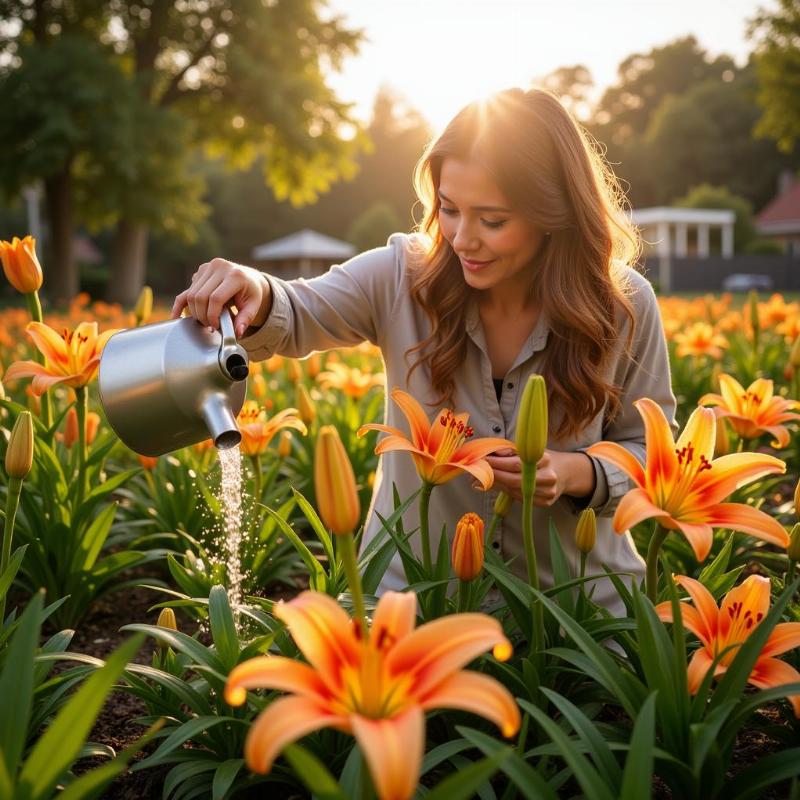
(465, 238)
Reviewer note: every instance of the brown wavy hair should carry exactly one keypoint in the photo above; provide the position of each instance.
(552, 171)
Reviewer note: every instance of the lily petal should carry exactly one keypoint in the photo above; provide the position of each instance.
(634, 507)
(417, 419)
(273, 672)
(785, 636)
(699, 535)
(284, 721)
(393, 748)
(396, 614)
(699, 665)
(728, 473)
(704, 604)
(620, 457)
(747, 519)
(48, 342)
(769, 672)
(701, 432)
(480, 694)
(662, 462)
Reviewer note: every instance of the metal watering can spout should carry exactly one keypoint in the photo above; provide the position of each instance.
(172, 384)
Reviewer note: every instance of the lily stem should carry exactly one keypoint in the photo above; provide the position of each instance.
(493, 523)
(81, 407)
(350, 563)
(653, 549)
(12, 503)
(424, 502)
(257, 477)
(35, 310)
(537, 614)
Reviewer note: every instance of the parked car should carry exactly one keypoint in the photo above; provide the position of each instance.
(744, 282)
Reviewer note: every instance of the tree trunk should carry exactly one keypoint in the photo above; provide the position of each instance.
(128, 263)
(61, 280)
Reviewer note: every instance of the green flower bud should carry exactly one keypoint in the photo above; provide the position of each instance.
(503, 504)
(586, 531)
(532, 425)
(793, 551)
(19, 455)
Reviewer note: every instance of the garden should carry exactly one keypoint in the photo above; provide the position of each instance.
(167, 632)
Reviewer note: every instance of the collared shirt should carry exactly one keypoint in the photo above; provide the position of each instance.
(368, 298)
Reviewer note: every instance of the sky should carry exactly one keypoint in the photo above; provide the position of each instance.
(441, 54)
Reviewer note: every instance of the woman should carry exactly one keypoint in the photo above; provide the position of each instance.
(521, 266)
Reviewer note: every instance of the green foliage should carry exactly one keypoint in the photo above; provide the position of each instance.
(374, 226)
(775, 31)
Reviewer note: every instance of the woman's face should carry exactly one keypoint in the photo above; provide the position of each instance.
(495, 244)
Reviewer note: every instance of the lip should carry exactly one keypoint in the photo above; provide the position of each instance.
(474, 265)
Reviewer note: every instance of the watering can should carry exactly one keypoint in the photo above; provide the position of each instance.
(171, 384)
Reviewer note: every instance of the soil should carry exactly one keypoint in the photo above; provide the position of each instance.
(99, 634)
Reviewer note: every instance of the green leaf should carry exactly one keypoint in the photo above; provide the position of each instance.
(93, 539)
(55, 751)
(466, 782)
(7, 578)
(199, 654)
(316, 524)
(526, 779)
(767, 771)
(185, 732)
(639, 763)
(224, 777)
(223, 627)
(317, 578)
(313, 773)
(16, 686)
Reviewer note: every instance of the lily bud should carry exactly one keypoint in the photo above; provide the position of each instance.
(794, 354)
(144, 306)
(19, 455)
(752, 299)
(467, 553)
(586, 531)
(21, 265)
(92, 426)
(313, 365)
(71, 428)
(532, 425)
(503, 504)
(166, 619)
(793, 551)
(305, 405)
(335, 483)
(797, 499)
(148, 462)
(285, 444)
(293, 370)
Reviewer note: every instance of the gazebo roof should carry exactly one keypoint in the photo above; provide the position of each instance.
(303, 244)
(689, 216)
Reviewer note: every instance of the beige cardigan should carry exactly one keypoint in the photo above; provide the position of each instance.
(367, 298)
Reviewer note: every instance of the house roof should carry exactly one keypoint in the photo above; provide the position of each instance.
(782, 214)
(303, 244)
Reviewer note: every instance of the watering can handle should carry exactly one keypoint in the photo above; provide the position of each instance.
(226, 327)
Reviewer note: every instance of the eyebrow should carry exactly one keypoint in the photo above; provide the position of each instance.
(444, 197)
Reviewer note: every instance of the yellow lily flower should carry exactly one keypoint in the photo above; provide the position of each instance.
(257, 430)
(754, 410)
(350, 380)
(682, 487)
(728, 626)
(700, 339)
(440, 449)
(377, 688)
(72, 357)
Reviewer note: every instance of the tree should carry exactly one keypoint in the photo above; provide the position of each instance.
(707, 196)
(776, 35)
(244, 80)
(572, 86)
(705, 135)
(374, 226)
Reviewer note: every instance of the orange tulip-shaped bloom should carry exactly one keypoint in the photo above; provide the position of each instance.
(467, 554)
(335, 483)
(440, 449)
(72, 357)
(257, 430)
(376, 688)
(682, 487)
(728, 626)
(21, 265)
(700, 339)
(754, 410)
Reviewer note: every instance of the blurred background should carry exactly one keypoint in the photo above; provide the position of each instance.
(139, 139)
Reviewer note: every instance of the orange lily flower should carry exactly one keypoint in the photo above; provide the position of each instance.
(440, 449)
(350, 380)
(681, 486)
(741, 611)
(376, 688)
(754, 410)
(257, 431)
(72, 357)
(700, 339)
(21, 265)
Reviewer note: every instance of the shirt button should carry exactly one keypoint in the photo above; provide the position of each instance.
(509, 385)
(496, 545)
(497, 429)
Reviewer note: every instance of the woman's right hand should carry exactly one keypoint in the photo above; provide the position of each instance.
(219, 282)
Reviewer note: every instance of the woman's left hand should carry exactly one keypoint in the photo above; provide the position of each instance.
(550, 481)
